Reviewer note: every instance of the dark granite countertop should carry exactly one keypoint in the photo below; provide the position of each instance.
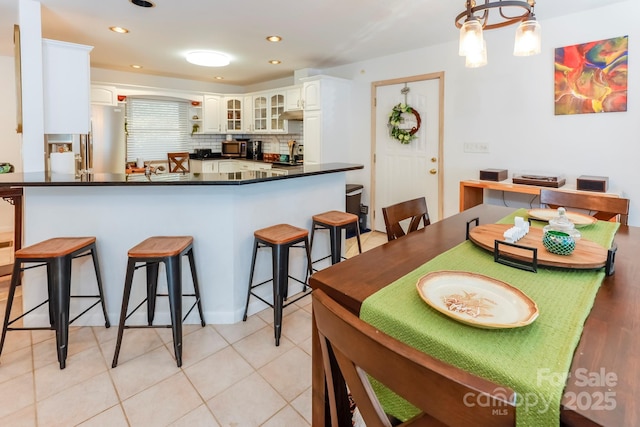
(40, 179)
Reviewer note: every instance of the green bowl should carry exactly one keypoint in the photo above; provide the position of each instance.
(558, 242)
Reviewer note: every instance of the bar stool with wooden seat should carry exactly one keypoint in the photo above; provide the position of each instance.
(151, 252)
(56, 254)
(335, 222)
(279, 238)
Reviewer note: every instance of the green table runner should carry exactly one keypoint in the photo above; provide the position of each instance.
(533, 360)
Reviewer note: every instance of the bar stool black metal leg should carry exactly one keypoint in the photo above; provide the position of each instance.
(253, 266)
(96, 267)
(174, 291)
(61, 272)
(313, 231)
(307, 249)
(152, 289)
(131, 266)
(194, 276)
(50, 292)
(15, 280)
(335, 234)
(280, 275)
(358, 237)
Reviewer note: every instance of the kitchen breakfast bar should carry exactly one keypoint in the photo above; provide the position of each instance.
(220, 210)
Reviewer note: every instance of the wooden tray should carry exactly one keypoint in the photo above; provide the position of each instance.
(587, 254)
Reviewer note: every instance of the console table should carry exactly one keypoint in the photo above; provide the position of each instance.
(472, 191)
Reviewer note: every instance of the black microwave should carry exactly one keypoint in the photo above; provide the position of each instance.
(234, 148)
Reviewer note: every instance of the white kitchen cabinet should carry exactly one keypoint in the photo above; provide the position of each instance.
(67, 87)
(211, 114)
(259, 112)
(276, 108)
(266, 108)
(195, 166)
(311, 96)
(104, 95)
(325, 126)
(204, 166)
(247, 115)
(312, 136)
(293, 98)
(243, 165)
(233, 114)
(225, 166)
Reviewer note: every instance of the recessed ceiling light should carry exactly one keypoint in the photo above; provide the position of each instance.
(137, 67)
(120, 30)
(219, 78)
(142, 3)
(274, 39)
(208, 58)
(274, 61)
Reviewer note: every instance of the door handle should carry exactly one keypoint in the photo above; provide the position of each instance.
(433, 171)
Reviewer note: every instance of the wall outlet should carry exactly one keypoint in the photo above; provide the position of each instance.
(476, 147)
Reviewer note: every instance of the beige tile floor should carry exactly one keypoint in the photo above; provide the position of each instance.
(232, 375)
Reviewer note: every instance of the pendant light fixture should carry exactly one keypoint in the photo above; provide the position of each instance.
(476, 18)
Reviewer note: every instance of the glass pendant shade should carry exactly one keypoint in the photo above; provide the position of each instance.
(471, 39)
(477, 59)
(527, 38)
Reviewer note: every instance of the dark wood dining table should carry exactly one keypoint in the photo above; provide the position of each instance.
(604, 380)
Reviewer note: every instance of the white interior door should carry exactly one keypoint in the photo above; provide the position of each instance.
(408, 171)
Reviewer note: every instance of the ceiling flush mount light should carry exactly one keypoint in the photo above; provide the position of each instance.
(208, 58)
(476, 18)
(137, 67)
(219, 78)
(120, 30)
(274, 61)
(142, 3)
(274, 39)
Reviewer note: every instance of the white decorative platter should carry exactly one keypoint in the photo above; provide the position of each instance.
(477, 300)
(577, 218)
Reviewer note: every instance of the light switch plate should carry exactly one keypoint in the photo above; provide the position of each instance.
(476, 147)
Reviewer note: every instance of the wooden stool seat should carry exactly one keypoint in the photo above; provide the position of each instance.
(160, 246)
(150, 253)
(279, 238)
(56, 247)
(57, 255)
(335, 218)
(280, 234)
(335, 222)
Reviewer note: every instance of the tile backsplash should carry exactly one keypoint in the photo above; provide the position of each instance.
(271, 143)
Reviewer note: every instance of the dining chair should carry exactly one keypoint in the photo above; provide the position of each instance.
(415, 209)
(445, 394)
(605, 208)
(178, 162)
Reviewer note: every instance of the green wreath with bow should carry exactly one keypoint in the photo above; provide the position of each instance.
(404, 136)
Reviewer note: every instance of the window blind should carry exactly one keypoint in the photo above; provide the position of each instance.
(155, 128)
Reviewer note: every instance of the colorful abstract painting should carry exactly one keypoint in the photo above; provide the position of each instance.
(592, 77)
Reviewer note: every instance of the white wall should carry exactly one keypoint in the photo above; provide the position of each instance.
(10, 141)
(509, 104)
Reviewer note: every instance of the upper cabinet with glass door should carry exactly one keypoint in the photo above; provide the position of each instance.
(260, 108)
(233, 118)
(276, 108)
